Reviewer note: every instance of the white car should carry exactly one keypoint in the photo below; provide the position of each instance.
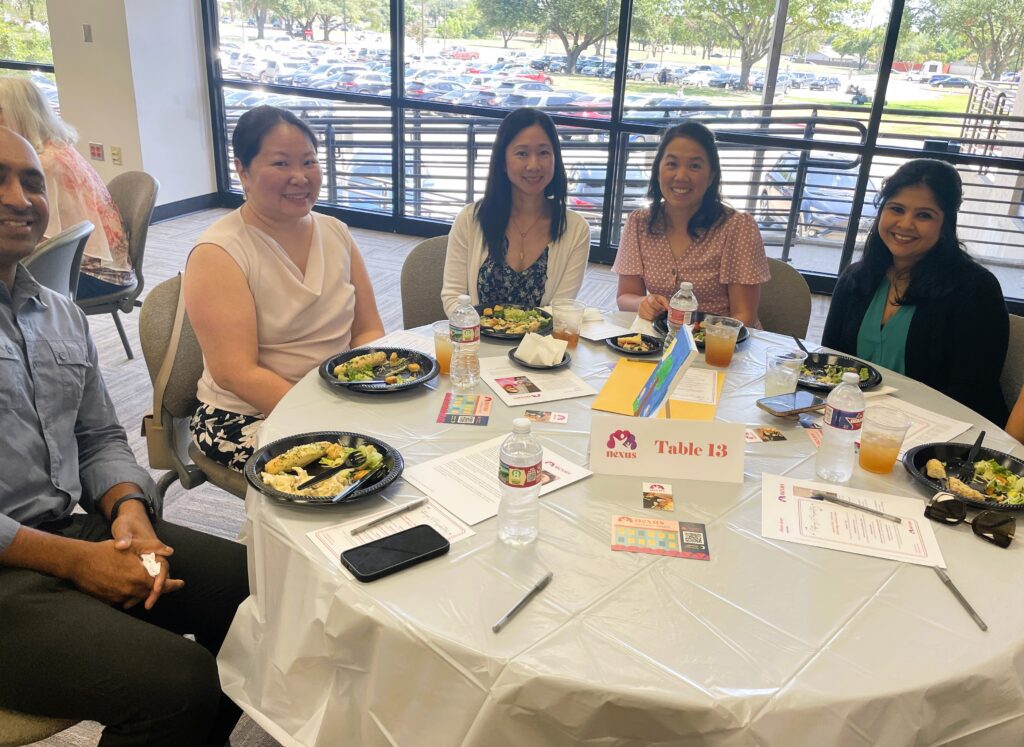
(699, 77)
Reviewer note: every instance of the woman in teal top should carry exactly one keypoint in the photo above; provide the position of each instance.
(917, 303)
(885, 343)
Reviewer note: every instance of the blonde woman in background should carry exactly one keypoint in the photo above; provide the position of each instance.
(75, 191)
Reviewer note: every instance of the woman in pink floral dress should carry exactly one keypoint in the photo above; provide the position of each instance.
(75, 191)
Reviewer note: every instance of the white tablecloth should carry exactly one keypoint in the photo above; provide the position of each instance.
(768, 643)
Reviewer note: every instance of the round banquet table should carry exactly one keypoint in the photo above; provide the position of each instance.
(768, 643)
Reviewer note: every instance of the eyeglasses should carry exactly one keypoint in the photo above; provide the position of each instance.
(996, 527)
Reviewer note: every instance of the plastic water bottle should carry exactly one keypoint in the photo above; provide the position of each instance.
(465, 332)
(680, 310)
(840, 428)
(519, 471)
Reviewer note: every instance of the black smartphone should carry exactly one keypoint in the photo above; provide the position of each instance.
(393, 553)
(791, 404)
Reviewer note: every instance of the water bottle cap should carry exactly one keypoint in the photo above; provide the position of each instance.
(851, 377)
(521, 425)
(464, 299)
(686, 286)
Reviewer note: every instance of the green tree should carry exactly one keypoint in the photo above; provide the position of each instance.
(864, 44)
(579, 24)
(508, 17)
(748, 23)
(462, 23)
(992, 29)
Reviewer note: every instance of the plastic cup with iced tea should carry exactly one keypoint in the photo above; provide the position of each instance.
(442, 345)
(567, 318)
(720, 333)
(881, 438)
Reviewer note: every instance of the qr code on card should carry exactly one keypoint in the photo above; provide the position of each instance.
(693, 538)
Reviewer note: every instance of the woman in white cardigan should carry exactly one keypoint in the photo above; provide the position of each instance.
(519, 244)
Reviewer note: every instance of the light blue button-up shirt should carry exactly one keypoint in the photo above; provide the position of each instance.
(59, 433)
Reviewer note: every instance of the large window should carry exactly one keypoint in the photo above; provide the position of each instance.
(25, 45)
(409, 105)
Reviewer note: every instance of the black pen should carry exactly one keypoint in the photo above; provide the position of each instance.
(960, 597)
(537, 589)
(850, 504)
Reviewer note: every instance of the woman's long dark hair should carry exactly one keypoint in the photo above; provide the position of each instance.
(712, 210)
(929, 277)
(495, 209)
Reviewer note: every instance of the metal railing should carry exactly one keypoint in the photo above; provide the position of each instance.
(795, 167)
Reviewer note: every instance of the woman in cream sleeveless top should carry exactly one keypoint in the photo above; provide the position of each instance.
(271, 289)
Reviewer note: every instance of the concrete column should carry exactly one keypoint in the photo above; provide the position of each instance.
(138, 85)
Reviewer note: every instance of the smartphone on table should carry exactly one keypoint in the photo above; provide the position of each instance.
(783, 405)
(386, 555)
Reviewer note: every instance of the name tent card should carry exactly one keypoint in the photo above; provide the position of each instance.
(648, 448)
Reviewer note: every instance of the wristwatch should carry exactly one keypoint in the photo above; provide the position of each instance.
(142, 497)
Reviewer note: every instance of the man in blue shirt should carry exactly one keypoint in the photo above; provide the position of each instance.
(93, 606)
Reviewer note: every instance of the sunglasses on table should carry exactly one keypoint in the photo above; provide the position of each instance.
(996, 527)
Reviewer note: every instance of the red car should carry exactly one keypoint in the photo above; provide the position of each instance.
(460, 53)
(527, 73)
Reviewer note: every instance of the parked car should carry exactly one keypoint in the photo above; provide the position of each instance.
(587, 183)
(316, 73)
(825, 200)
(825, 83)
(526, 72)
(953, 81)
(724, 80)
(918, 76)
(515, 85)
(535, 99)
(371, 83)
(1010, 77)
(799, 80)
(544, 62)
(365, 181)
(782, 84)
(460, 53)
(644, 70)
(936, 78)
(593, 106)
(481, 97)
(700, 77)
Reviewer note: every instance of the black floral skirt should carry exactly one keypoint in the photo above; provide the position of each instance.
(225, 437)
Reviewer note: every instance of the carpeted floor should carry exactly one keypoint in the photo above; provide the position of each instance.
(206, 508)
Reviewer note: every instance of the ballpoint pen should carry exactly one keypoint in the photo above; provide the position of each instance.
(850, 504)
(959, 597)
(537, 589)
(384, 517)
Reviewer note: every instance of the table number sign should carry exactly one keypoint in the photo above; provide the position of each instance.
(687, 449)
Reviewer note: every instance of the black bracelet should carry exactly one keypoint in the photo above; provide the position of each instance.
(142, 497)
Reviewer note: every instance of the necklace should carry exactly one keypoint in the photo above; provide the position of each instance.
(523, 234)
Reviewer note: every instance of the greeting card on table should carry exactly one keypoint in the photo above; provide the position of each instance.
(678, 539)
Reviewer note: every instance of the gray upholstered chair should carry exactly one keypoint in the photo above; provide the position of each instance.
(56, 262)
(785, 301)
(18, 729)
(134, 193)
(422, 277)
(1012, 379)
(156, 321)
